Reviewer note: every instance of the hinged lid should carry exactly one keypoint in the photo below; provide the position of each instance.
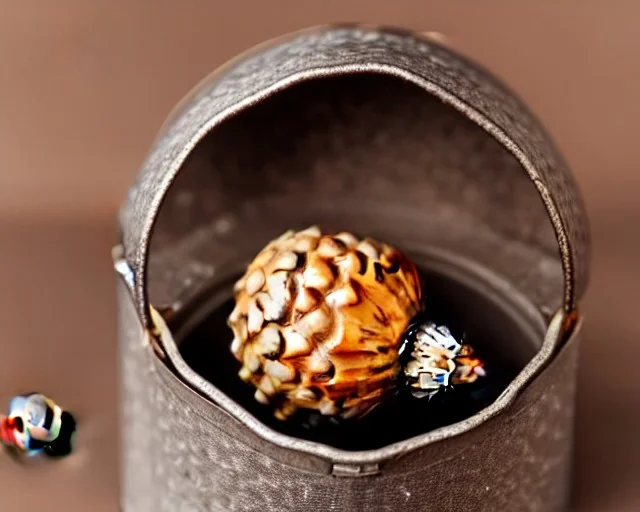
(419, 64)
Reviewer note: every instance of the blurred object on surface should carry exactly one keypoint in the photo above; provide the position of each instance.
(36, 425)
(57, 311)
(86, 86)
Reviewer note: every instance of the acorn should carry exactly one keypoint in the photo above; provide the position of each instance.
(320, 322)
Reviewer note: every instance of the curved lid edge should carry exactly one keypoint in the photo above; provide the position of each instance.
(337, 51)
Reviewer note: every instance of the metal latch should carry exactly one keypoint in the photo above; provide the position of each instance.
(352, 470)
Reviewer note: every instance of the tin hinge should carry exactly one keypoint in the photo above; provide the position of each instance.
(127, 274)
(123, 268)
(351, 470)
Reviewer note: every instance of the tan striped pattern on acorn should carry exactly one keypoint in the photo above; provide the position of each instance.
(319, 320)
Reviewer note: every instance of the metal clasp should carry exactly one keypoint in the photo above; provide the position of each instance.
(351, 470)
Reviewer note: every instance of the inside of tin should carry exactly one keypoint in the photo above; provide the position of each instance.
(377, 156)
(367, 153)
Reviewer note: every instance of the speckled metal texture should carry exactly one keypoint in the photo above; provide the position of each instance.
(451, 156)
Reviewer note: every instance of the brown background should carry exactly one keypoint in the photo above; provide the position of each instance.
(84, 86)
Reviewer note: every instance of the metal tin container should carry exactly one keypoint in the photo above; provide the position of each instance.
(376, 131)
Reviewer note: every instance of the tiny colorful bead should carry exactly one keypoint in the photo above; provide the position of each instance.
(36, 424)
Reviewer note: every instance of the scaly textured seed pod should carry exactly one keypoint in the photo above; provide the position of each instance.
(319, 321)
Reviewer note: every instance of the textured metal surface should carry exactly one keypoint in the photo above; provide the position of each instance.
(184, 453)
(340, 51)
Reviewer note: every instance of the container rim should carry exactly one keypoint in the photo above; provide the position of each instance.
(216, 398)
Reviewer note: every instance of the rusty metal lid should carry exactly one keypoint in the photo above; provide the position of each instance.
(351, 50)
